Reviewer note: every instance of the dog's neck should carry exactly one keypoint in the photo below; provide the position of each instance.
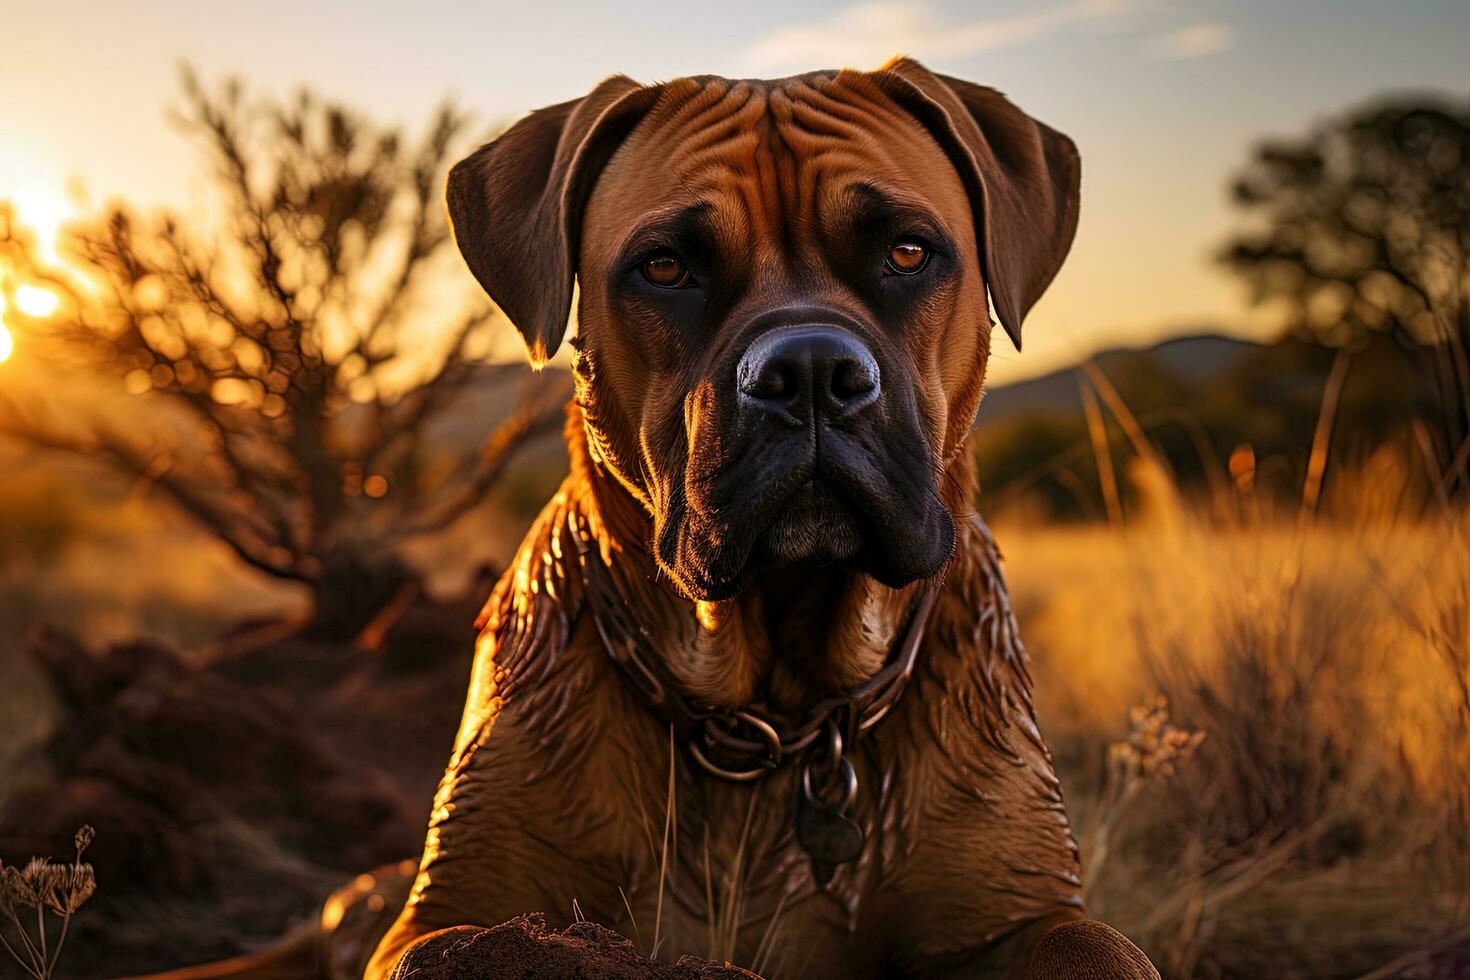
(793, 636)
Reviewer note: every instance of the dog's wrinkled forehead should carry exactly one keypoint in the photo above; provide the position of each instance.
(763, 164)
(751, 138)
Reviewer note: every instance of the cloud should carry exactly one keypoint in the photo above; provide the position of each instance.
(868, 34)
(1194, 41)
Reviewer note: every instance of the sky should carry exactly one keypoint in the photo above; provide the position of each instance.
(1164, 99)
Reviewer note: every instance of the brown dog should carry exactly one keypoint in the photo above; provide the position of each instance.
(753, 679)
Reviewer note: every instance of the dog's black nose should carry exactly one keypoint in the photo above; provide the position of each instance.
(794, 371)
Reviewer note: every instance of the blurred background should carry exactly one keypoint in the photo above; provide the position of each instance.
(264, 446)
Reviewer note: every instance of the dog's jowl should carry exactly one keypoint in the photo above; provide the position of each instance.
(752, 681)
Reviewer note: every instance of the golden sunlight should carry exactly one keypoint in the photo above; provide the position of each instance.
(34, 301)
(44, 209)
(6, 344)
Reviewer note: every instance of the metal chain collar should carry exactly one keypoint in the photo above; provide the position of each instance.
(744, 744)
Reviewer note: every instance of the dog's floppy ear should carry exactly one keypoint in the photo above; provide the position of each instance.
(1023, 177)
(515, 204)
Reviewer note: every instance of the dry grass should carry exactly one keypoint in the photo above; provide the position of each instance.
(49, 890)
(1322, 826)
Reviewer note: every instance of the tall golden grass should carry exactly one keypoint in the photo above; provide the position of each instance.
(1321, 827)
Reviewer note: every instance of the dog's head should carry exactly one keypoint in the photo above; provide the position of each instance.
(783, 326)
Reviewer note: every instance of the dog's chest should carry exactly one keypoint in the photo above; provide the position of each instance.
(724, 877)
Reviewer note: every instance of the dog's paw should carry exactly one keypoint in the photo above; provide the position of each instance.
(1086, 949)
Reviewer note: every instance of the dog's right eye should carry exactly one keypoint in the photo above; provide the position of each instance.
(666, 271)
(907, 258)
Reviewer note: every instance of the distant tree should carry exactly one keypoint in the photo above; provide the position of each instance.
(1362, 225)
(288, 347)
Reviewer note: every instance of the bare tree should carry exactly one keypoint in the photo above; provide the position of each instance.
(291, 347)
(1363, 225)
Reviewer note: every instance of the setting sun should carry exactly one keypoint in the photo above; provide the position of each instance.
(35, 301)
(30, 301)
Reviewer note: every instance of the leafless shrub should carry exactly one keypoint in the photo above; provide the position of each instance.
(288, 351)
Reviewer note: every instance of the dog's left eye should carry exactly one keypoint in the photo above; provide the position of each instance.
(666, 270)
(906, 258)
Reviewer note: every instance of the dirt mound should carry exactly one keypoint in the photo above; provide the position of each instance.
(232, 796)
